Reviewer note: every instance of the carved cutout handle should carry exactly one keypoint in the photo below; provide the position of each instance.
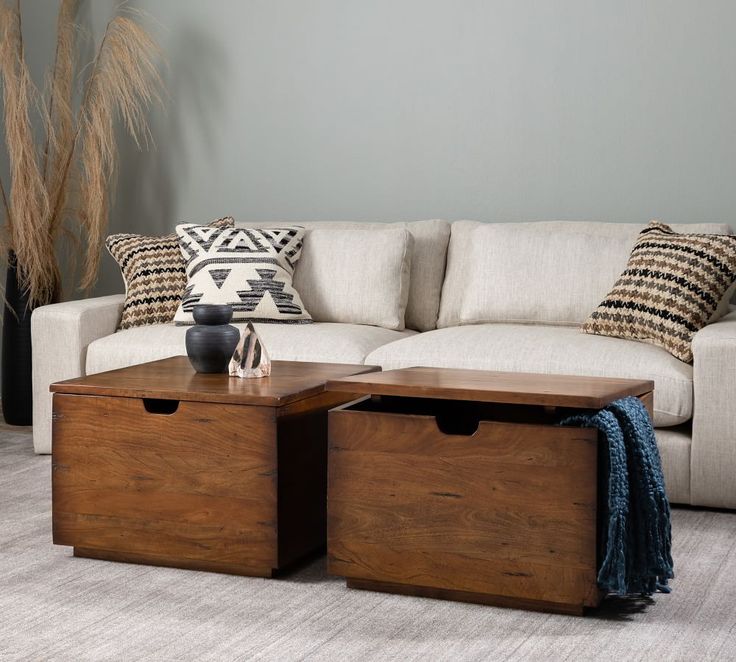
(158, 406)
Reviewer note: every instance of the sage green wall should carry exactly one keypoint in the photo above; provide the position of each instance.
(384, 109)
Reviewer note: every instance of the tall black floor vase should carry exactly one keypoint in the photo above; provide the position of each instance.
(17, 393)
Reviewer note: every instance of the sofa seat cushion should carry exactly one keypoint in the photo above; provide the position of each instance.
(553, 350)
(321, 342)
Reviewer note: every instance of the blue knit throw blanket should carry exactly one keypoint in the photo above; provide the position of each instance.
(637, 556)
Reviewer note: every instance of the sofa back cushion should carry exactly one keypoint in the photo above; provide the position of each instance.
(356, 277)
(553, 272)
(429, 253)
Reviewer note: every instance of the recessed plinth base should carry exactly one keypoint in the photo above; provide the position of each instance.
(466, 596)
(173, 562)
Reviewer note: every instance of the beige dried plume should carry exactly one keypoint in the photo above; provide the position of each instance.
(60, 86)
(79, 149)
(27, 205)
(124, 82)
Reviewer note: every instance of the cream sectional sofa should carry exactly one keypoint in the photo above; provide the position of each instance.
(481, 296)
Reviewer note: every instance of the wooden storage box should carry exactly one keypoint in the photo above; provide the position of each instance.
(157, 464)
(458, 498)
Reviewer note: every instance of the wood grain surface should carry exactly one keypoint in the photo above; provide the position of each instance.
(215, 486)
(198, 485)
(500, 387)
(175, 379)
(508, 511)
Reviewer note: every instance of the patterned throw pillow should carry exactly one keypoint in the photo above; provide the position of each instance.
(249, 269)
(671, 288)
(154, 273)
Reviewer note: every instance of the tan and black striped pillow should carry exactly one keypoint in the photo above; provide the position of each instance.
(154, 273)
(672, 287)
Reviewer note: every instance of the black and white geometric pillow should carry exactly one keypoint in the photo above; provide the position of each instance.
(249, 269)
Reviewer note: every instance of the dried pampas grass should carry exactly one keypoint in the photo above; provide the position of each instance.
(79, 148)
(28, 205)
(60, 86)
(124, 81)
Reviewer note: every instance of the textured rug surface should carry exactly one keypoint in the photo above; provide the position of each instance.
(56, 607)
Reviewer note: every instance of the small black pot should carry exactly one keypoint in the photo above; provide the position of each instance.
(212, 341)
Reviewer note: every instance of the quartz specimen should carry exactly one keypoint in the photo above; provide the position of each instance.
(250, 359)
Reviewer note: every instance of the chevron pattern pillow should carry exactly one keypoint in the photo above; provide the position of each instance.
(154, 274)
(673, 285)
(249, 269)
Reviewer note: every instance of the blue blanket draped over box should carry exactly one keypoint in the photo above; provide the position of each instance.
(637, 557)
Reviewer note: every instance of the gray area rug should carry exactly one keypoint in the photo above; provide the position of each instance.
(56, 607)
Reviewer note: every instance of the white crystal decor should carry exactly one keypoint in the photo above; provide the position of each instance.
(250, 359)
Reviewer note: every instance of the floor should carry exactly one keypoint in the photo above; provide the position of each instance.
(57, 607)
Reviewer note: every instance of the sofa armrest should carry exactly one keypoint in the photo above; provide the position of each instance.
(60, 334)
(713, 452)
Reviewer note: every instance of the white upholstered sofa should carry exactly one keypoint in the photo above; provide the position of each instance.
(480, 296)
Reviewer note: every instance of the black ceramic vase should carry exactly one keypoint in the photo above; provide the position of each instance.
(212, 341)
(17, 393)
